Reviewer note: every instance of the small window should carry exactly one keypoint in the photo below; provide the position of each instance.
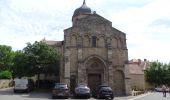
(93, 41)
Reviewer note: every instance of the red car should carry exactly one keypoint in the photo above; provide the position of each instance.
(60, 90)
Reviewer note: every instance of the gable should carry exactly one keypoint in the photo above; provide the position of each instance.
(95, 19)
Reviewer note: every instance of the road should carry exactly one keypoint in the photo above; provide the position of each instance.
(7, 94)
(153, 96)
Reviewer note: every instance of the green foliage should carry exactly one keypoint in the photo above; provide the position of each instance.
(42, 58)
(35, 59)
(6, 56)
(5, 75)
(21, 65)
(158, 73)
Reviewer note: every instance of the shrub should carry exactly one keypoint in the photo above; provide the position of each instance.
(5, 75)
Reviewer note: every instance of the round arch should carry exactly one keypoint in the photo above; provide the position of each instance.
(95, 70)
(119, 82)
(95, 56)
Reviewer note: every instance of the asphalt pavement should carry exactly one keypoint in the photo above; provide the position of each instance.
(7, 94)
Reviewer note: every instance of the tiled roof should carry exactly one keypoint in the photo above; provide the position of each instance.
(137, 66)
(53, 43)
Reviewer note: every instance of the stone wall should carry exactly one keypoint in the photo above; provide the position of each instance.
(5, 83)
(94, 37)
(137, 81)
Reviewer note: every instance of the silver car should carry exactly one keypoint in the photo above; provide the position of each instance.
(81, 91)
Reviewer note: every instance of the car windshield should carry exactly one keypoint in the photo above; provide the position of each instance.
(106, 88)
(63, 86)
(81, 85)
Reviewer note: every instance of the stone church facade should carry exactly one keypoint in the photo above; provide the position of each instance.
(93, 52)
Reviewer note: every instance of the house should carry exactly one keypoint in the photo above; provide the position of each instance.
(136, 73)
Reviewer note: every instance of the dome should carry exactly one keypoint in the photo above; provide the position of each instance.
(82, 10)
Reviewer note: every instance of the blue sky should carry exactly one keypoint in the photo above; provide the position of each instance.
(145, 22)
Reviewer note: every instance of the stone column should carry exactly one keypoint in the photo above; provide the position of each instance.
(67, 67)
(110, 76)
(127, 81)
(81, 67)
(109, 67)
(81, 73)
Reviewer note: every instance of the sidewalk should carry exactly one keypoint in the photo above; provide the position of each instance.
(6, 88)
(123, 98)
(132, 97)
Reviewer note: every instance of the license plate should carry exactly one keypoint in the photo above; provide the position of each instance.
(107, 95)
(60, 94)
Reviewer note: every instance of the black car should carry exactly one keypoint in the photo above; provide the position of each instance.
(105, 92)
(81, 91)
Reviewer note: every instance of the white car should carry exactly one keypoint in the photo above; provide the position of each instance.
(159, 89)
(25, 85)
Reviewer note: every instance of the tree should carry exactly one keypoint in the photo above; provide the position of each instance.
(5, 75)
(158, 73)
(21, 65)
(42, 58)
(6, 57)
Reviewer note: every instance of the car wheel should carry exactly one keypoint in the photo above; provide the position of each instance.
(98, 97)
(88, 97)
(53, 97)
(66, 97)
(28, 90)
(15, 91)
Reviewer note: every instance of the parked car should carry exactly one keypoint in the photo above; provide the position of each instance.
(60, 90)
(104, 92)
(159, 89)
(82, 90)
(23, 85)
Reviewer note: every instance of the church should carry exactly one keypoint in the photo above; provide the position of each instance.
(93, 52)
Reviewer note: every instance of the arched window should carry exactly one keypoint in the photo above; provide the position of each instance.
(94, 41)
(114, 42)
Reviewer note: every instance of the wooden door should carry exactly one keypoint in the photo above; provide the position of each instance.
(94, 80)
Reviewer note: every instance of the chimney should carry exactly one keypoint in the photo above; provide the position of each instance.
(139, 61)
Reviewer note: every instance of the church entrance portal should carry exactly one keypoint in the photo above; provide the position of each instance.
(94, 80)
(95, 73)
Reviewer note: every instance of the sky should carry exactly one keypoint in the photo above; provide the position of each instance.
(145, 22)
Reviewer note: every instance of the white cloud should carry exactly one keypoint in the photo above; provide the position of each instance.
(145, 39)
(144, 21)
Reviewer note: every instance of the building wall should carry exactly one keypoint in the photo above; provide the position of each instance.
(137, 81)
(110, 52)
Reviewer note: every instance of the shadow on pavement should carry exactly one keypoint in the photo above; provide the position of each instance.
(8, 91)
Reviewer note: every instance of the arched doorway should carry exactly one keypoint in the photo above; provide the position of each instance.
(119, 83)
(95, 73)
